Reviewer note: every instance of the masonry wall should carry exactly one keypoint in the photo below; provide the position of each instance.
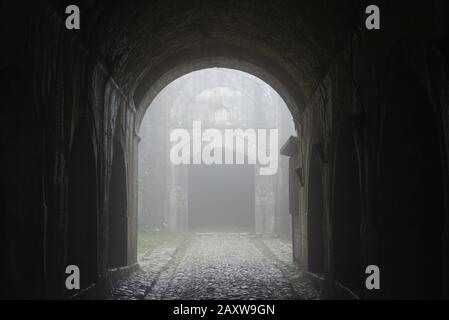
(354, 94)
(57, 82)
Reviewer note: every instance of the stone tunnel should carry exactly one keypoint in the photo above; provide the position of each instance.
(371, 110)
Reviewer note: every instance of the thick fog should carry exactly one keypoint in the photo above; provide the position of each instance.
(215, 197)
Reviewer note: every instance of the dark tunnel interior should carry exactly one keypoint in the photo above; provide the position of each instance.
(343, 125)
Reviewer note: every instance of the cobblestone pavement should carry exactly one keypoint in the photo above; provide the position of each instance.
(218, 266)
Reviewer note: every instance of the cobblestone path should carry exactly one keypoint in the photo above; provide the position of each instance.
(218, 266)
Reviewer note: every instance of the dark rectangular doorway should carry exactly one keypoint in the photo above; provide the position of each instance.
(221, 197)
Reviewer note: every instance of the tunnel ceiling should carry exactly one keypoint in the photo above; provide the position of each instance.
(135, 37)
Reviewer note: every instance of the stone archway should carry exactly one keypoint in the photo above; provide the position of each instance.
(217, 56)
(346, 218)
(118, 206)
(82, 249)
(410, 193)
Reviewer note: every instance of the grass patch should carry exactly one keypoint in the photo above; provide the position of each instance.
(152, 238)
(182, 242)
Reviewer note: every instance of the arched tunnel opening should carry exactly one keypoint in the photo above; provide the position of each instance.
(92, 113)
(216, 205)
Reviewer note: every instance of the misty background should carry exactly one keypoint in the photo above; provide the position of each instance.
(213, 197)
